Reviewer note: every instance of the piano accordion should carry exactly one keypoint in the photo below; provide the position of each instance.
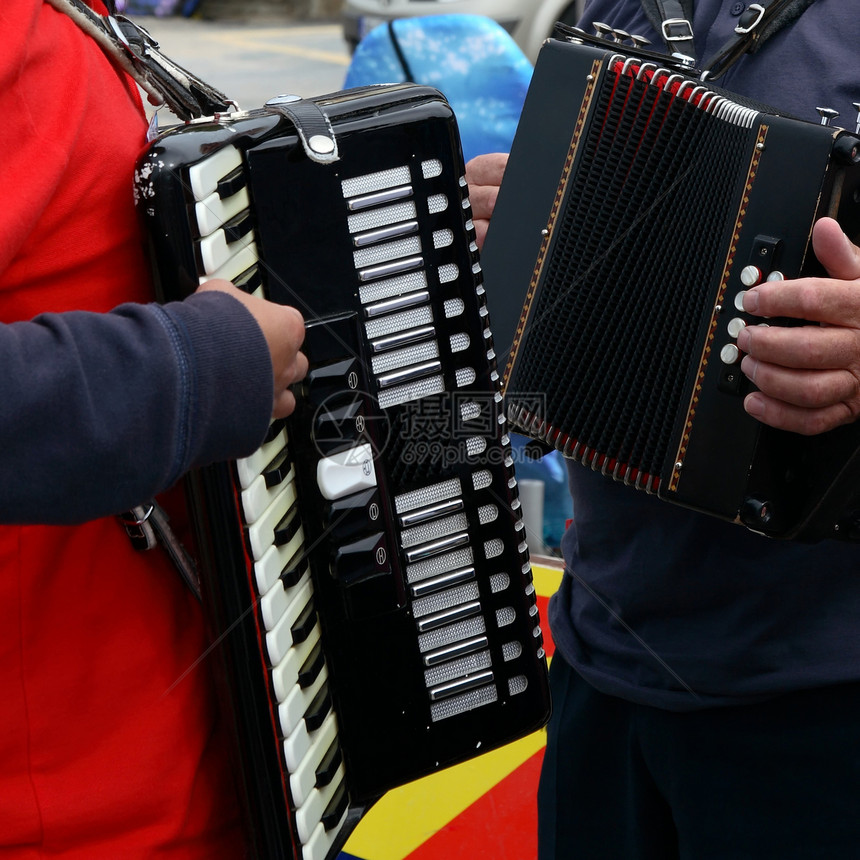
(370, 592)
(637, 206)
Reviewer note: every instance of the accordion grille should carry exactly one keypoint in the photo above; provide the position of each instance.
(647, 158)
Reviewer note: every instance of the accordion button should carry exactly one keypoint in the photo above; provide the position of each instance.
(735, 326)
(353, 515)
(729, 354)
(362, 559)
(337, 427)
(750, 276)
(322, 383)
(346, 473)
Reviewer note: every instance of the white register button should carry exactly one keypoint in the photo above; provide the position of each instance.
(346, 473)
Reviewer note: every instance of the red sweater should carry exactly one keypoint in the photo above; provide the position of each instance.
(109, 741)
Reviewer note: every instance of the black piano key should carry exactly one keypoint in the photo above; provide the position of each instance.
(286, 529)
(274, 428)
(312, 667)
(231, 183)
(303, 625)
(250, 280)
(318, 709)
(336, 808)
(237, 227)
(291, 575)
(329, 765)
(278, 469)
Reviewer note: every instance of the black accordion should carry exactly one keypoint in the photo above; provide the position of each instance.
(365, 572)
(637, 205)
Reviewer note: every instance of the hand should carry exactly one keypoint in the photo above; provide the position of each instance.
(284, 330)
(484, 175)
(808, 376)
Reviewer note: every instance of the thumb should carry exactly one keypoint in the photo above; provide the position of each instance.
(835, 251)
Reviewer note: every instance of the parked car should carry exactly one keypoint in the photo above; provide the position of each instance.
(528, 21)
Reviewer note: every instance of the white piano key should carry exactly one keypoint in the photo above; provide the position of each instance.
(216, 251)
(310, 813)
(261, 534)
(280, 639)
(277, 559)
(275, 603)
(296, 746)
(213, 212)
(205, 175)
(296, 705)
(257, 497)
(303, 778)
(321, 841)
(235, 266)
(250, 467)
(285, 675)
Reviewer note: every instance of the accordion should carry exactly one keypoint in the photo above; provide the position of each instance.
(637, 206)
(365, 572)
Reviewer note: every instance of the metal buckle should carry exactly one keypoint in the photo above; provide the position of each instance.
(759, 10)
(677, 22)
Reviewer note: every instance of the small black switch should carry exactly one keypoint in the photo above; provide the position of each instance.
(361, 559)
(353, 515)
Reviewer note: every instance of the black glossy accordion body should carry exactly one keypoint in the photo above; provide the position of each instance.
(365, 571)
(637, 206)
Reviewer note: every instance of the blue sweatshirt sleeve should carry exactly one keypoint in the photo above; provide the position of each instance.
(99, 412)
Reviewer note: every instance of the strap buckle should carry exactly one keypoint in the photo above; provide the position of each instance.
(759, 11)
(677, 30)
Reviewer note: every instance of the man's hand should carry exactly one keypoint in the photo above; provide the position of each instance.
(808, 376)
(484, 175)
(284, 330)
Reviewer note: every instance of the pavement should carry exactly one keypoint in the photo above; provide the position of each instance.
(253, 61)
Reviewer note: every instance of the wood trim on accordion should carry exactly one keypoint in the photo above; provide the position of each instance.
(755, 158)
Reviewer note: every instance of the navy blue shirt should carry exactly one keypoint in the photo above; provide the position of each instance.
(99, 412)
(673, 608)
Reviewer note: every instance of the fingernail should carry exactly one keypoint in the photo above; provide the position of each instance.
(744, 340)
(749, 367)
(751, 301)
(754, 405)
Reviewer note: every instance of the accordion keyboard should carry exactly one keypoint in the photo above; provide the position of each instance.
(298, 674)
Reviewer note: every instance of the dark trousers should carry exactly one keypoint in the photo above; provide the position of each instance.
(779, 780)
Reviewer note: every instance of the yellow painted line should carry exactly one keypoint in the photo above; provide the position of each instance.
(546, 579)
(292, 50)
(408, 816)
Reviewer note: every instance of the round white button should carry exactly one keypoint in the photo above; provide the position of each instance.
(729, 354)
(750, 276)
(735, 326)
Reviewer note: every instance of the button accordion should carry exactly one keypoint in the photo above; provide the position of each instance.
(368, 587)
(638, 204)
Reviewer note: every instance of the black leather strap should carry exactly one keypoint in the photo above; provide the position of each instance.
(673, 20)
(131, 48)
(755, 26)
(313, 126)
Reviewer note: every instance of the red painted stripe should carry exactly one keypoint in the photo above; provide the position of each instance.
(500, 825)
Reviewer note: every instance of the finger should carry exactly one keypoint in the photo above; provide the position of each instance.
(285, 403)
(796, 419)
(809, 389)
(805, 347)
(483, 200)
(481, 227)
(835, 251)
(486, 169)
(815, 299)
